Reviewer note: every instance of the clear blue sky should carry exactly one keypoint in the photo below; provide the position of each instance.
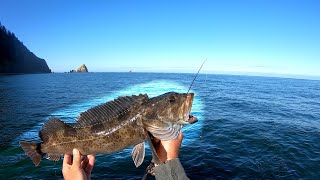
(240, 36)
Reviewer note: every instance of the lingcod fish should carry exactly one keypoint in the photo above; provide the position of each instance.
(114, 126)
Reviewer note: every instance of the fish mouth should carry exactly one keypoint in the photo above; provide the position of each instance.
(184, 114)
(187, 117)
(189, 101)
(192, 119)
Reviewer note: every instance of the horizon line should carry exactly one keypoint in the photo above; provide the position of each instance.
(253, 74)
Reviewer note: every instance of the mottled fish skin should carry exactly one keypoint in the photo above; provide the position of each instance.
(104, 136)
(98, 139)
(114, 126)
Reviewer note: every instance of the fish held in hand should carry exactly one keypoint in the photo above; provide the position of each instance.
(114, 126)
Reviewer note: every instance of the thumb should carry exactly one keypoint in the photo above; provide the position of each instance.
(76, 158)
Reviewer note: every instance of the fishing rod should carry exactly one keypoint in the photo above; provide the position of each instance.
(196, 75)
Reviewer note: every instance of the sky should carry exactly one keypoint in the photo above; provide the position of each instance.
(237, 37)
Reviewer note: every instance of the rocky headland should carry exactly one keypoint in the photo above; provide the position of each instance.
(16, 58)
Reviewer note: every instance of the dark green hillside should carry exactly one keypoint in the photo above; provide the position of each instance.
(16, 58)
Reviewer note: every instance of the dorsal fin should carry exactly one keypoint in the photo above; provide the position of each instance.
(109, 110)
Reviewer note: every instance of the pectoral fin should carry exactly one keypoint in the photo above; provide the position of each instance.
(162, 130)
(166, 133)
(138, 153)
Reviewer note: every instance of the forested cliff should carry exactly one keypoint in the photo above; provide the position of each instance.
(15, 56)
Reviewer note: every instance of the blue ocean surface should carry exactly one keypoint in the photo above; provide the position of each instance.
(248, 128)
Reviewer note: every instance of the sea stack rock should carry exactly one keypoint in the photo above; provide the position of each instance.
(82, 69)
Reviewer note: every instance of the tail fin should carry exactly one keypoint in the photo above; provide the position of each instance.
(33, 151)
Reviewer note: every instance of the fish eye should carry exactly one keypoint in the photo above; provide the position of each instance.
(172, 99)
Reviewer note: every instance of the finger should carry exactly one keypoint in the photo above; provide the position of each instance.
(76, 158)
(84, 162)
(90, 164)
(169, 149)
(67, 160)
(161, 152)
(155, 140)
(180, 136)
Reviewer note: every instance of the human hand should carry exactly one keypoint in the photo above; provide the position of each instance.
(77, 168)
(168, 150)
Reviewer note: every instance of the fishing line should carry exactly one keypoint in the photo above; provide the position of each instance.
(196, 76)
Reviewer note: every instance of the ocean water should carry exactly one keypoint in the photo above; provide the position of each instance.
(248, 128)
